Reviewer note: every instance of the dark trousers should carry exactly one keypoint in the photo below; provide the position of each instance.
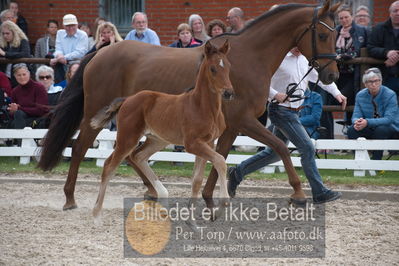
(379, 132)
(21, 120)
(59, 72)
(346, 84)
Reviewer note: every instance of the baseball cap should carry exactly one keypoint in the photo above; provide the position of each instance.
(69, 19)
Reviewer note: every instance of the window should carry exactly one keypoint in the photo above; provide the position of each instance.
(120, 12)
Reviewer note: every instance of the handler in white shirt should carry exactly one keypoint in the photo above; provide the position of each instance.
(284, 117)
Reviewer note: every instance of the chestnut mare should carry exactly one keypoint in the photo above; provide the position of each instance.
(128, 67)
(193, 119)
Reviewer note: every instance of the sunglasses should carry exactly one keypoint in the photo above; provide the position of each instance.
(372, 70)
(45, 77)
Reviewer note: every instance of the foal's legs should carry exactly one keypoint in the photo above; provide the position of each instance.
(198, 176)
(223, 147)
(207, 153)
(139, 158)
(112, 162)
(83, 142)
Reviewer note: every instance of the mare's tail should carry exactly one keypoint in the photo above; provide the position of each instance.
(66, 119)
(106, 114)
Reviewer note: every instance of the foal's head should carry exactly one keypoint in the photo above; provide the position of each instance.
(218, 69)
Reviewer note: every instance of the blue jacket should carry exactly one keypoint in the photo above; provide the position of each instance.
(387, 107)
(359, 39)
(310, 115)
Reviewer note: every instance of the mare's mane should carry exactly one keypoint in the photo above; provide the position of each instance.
(270, 13)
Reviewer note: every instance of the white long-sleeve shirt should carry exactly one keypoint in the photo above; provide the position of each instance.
(291, 70)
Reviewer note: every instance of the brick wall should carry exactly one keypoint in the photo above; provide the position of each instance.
(164, 15)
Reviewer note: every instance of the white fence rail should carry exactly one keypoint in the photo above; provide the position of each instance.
(360, 164)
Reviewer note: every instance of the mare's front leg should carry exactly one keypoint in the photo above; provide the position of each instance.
(254, 129)
(79, 148)
(223, 147)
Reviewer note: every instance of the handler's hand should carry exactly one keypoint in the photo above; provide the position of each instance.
(280, 97)
(342, 100)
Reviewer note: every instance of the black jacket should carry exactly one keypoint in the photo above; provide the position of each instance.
(382, 40)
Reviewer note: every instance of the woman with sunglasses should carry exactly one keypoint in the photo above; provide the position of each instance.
(376, 113)
(45, 76)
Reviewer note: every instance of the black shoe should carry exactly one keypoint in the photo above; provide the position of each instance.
(232, 183)
(329, 196)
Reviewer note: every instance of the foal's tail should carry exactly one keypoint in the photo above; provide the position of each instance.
(66, 119)
(106, 114)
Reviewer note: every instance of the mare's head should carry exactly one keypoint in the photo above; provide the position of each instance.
(217, 67)
(317, 42)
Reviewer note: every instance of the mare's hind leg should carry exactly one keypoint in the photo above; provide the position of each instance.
(83, 142)
(113, 161)
(139, 159)
(254, 129)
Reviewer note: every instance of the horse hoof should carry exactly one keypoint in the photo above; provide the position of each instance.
(301, 202)
(68, 207)
(150, 197)
(192, 225)
(209, 202)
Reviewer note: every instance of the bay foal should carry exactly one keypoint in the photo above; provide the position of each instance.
(193, 119)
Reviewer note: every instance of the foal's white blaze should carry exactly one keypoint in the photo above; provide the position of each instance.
(221, 63)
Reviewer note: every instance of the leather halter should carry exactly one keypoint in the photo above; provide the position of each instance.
(315, 55)
(313, 63)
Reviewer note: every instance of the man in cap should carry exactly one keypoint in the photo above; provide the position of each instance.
(140, 31)
(70, 45)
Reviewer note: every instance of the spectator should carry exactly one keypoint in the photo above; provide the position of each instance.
(216, 27)
(235, 20)
(84, 26)
(5, 85)
(29, 99)
(198, 28)
(68, 76)
(45, 76)
(362, 16)
(310, 115)
(5, 99)
(140, 31)
(7, 14)
(384, 44)
(107, 34)
(13, 44)
(71, 45)
(376, 113)
(284, 116)
(20, 20)
(185, 36)
(97, 22)
(45, 46)
(350, 39)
